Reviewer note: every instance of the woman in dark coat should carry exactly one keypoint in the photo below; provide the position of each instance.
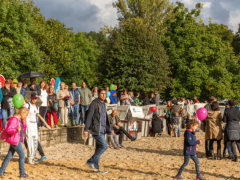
(232, 118)
(8, 109)
(153, 99)
(146, 100)
(157, 126)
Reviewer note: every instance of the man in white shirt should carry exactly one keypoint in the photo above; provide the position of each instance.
(31, 141)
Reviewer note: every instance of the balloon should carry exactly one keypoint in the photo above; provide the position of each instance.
(108, 94)
(18, 100)
(112, 87)
(202, 114)
(154, 109)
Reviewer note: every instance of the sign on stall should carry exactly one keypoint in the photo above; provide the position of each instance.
(135, 113)
(2, 81)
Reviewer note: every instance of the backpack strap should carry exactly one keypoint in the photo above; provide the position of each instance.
(28, 106)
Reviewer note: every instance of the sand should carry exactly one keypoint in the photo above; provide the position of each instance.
(149, 158)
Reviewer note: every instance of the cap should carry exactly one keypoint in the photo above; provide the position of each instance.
(34, 95)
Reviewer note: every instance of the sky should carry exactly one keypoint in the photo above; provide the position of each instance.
(91, 15)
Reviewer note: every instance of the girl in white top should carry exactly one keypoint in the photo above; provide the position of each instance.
(43, 97)
(190, 109)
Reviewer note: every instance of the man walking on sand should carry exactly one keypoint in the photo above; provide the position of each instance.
(98, 124)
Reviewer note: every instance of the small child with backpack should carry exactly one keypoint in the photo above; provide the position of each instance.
(174, 124)
(189, 151)
(13, 134)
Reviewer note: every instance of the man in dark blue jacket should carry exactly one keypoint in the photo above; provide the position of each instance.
(98, 124)
(75, 108)
(33, 86)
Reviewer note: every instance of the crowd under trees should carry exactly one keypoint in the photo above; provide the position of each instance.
(157, 45)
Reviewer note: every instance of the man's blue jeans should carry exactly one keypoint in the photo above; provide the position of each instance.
(101, 147)
(5, 114)
(84, 109)
(74, 113)
(229, 147)
(9, 156)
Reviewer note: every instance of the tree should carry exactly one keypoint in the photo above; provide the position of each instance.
(18, 51)
(153, 12)
(55, 42)
(236, 42)
(202, 62)
(83, 64)
(99, 37)
(134, 58)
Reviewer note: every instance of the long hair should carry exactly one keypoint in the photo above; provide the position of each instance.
(9, 81)
(42, 81)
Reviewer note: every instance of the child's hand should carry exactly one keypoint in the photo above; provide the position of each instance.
(200, 142)
(48, 126)
(19, 129)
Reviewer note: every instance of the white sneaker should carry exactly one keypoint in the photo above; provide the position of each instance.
(91, 166)
(100, 171)
(56, 126)
(83, 124)
(33, 162)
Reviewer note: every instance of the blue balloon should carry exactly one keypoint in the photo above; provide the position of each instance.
(108, 94)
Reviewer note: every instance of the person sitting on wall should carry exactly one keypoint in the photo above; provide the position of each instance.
(157, 126)
(115, 124)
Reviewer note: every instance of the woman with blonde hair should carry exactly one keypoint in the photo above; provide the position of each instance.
(43, 96)
(63, 96)
(152, 99)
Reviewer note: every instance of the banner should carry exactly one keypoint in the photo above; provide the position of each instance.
(2, 81)
(57, 85)
(52, 82)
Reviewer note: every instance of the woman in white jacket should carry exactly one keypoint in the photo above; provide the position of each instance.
(190, 109)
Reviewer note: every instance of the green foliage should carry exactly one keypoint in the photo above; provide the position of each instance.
(83, 64)
(154, 13)
(133, 58)
(236, 42)
(99, 37)
(202, 60)
(55, 42)
(17, 49)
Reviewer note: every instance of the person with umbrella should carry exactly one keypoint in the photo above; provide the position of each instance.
(32, 75)
(33, 86)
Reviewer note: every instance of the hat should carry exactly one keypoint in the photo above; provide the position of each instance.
(15, 81)
(34, 96)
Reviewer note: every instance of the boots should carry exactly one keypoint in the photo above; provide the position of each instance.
(235, 159)
(212, 154)
(219, 154)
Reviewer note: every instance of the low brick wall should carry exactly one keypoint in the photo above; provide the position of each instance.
(54, 136)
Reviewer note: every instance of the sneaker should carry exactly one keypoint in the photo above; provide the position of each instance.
(56, 126)
(133, 138)
(178, 177)
(200, 178)
(235, 159)
(33, 162)
(77, 125)
(1, 174)
(42, 158)
(23, 176)
(91, 166)
(83, 124)
(230, 157)
(100, 171)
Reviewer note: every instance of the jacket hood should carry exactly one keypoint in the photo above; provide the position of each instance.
(212, 114)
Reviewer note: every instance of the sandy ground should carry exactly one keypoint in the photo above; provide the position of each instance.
(149, 158)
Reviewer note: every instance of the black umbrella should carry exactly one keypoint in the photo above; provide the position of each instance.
(31, 74)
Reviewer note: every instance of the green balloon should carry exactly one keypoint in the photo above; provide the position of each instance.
(112, 87)
(18, 100)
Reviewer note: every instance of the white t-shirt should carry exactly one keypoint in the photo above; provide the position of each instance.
(43, 97)
(33, 111)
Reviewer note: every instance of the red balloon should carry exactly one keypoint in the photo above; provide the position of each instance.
(154, 109)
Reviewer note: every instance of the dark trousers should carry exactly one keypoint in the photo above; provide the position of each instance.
(234, 147)
(186, 161)
(40, 150)
(218, 145)
(121, 131)
(42, 112)
(207, 151)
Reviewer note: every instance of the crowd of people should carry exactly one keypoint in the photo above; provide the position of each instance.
(67, 103)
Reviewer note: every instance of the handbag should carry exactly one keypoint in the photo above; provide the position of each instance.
(72, 103)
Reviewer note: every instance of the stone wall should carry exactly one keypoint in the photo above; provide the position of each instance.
(54, 136)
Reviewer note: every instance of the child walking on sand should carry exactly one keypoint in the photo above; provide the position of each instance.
(174, 125)
(189, 151)
(13, 134)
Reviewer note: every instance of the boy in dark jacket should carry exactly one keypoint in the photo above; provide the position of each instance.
(189, 150)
